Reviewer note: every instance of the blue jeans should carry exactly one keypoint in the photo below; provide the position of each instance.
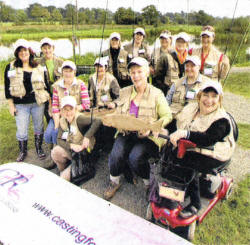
(24, 111)
(50, 135)
(134, 152)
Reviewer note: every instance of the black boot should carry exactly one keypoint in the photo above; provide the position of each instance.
(23, 150)
(38, 145)
(195, 200)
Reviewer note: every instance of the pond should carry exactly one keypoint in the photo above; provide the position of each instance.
(64, 47)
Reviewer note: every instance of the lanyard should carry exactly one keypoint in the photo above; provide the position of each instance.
(203, 59)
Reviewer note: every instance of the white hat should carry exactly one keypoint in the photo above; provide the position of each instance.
(21, 43)
(194, 59)
(46, 40)
(184, 36)
(102, 61)
(139, 30)
(138, 61)
(165, 35)
(208, 33)
(68, 100)
(115, 35)
(212, 84)
(70, 64)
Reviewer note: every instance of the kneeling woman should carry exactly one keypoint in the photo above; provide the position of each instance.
(205, 123)
(75, 135)
(132, 150)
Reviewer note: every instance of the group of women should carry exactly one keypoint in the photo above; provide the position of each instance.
(185, 95)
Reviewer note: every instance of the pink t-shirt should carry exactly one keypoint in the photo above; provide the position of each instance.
(133, 110)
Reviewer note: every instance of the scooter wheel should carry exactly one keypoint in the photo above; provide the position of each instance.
(149, 214)
(191, 231)
(229, 191)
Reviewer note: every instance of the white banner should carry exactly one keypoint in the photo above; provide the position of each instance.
(37, 208)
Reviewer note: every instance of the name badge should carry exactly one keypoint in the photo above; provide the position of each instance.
(44, 68)
(73, 130)
(104, 98)
(130, 56)
(190, 94)
(141, 51)
(65, 135)
(11, 73)
(121, 60)
(208, 71)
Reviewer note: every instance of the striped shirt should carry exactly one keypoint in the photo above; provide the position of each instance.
(85, 102)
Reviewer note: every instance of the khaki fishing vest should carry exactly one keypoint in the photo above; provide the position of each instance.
(17, 88)
(179, 99)
(74, 90)
(121, 63)
(142, 52)
(172, 73)
(57, 67)
(103, 92)
(157, 53)
(222, 151)
(74, 134)
(216, 65)
(147, 106)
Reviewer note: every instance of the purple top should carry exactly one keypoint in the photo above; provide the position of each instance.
(133, 109)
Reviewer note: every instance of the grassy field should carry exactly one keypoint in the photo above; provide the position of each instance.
(228, 223)
(238, 83)
(11, 33)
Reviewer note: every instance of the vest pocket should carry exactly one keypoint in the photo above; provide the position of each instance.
(41, 96)
(16, 87)
(176, 97)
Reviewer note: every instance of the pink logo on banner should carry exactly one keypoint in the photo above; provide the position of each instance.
(11, 179)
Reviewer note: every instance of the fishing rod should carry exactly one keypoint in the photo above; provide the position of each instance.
(236, 54)
(73, 35)
(103, 28)
(153, 56)
(230, 28)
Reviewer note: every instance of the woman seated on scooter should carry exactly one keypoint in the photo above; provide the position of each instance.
(75, 135)
(207, 124)
(131, 150)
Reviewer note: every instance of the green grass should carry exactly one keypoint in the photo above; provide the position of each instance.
(228, 223)
(238, 83)
(10, 33)
(8, 144)
(244, 135)
(243, 64)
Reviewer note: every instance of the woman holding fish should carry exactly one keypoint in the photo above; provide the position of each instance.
(131, 150)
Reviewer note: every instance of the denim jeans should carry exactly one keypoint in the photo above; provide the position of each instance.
(50, 135)
(135, 152)
(24, 111)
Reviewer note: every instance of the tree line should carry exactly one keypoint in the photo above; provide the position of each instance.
(123, 16)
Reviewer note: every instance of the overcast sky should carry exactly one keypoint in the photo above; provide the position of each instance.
(214, 7)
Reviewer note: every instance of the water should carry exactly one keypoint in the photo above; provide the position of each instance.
(64, 47)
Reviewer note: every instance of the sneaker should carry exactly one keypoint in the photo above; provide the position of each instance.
(188, 211)
(111, 190)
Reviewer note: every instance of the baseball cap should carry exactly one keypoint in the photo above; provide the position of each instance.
(184, 36)
(70, 64)
(115, 35)
(208, 33)
(138, 61)
(68, 100)
(21, 43)
(102, 61)
(212, 84)
(165, 35)
(139, 30)
(194, 59)
(46, 40)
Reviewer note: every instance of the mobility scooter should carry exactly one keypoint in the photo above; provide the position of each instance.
(167, 194)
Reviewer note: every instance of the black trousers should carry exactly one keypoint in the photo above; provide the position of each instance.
(201, 164)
